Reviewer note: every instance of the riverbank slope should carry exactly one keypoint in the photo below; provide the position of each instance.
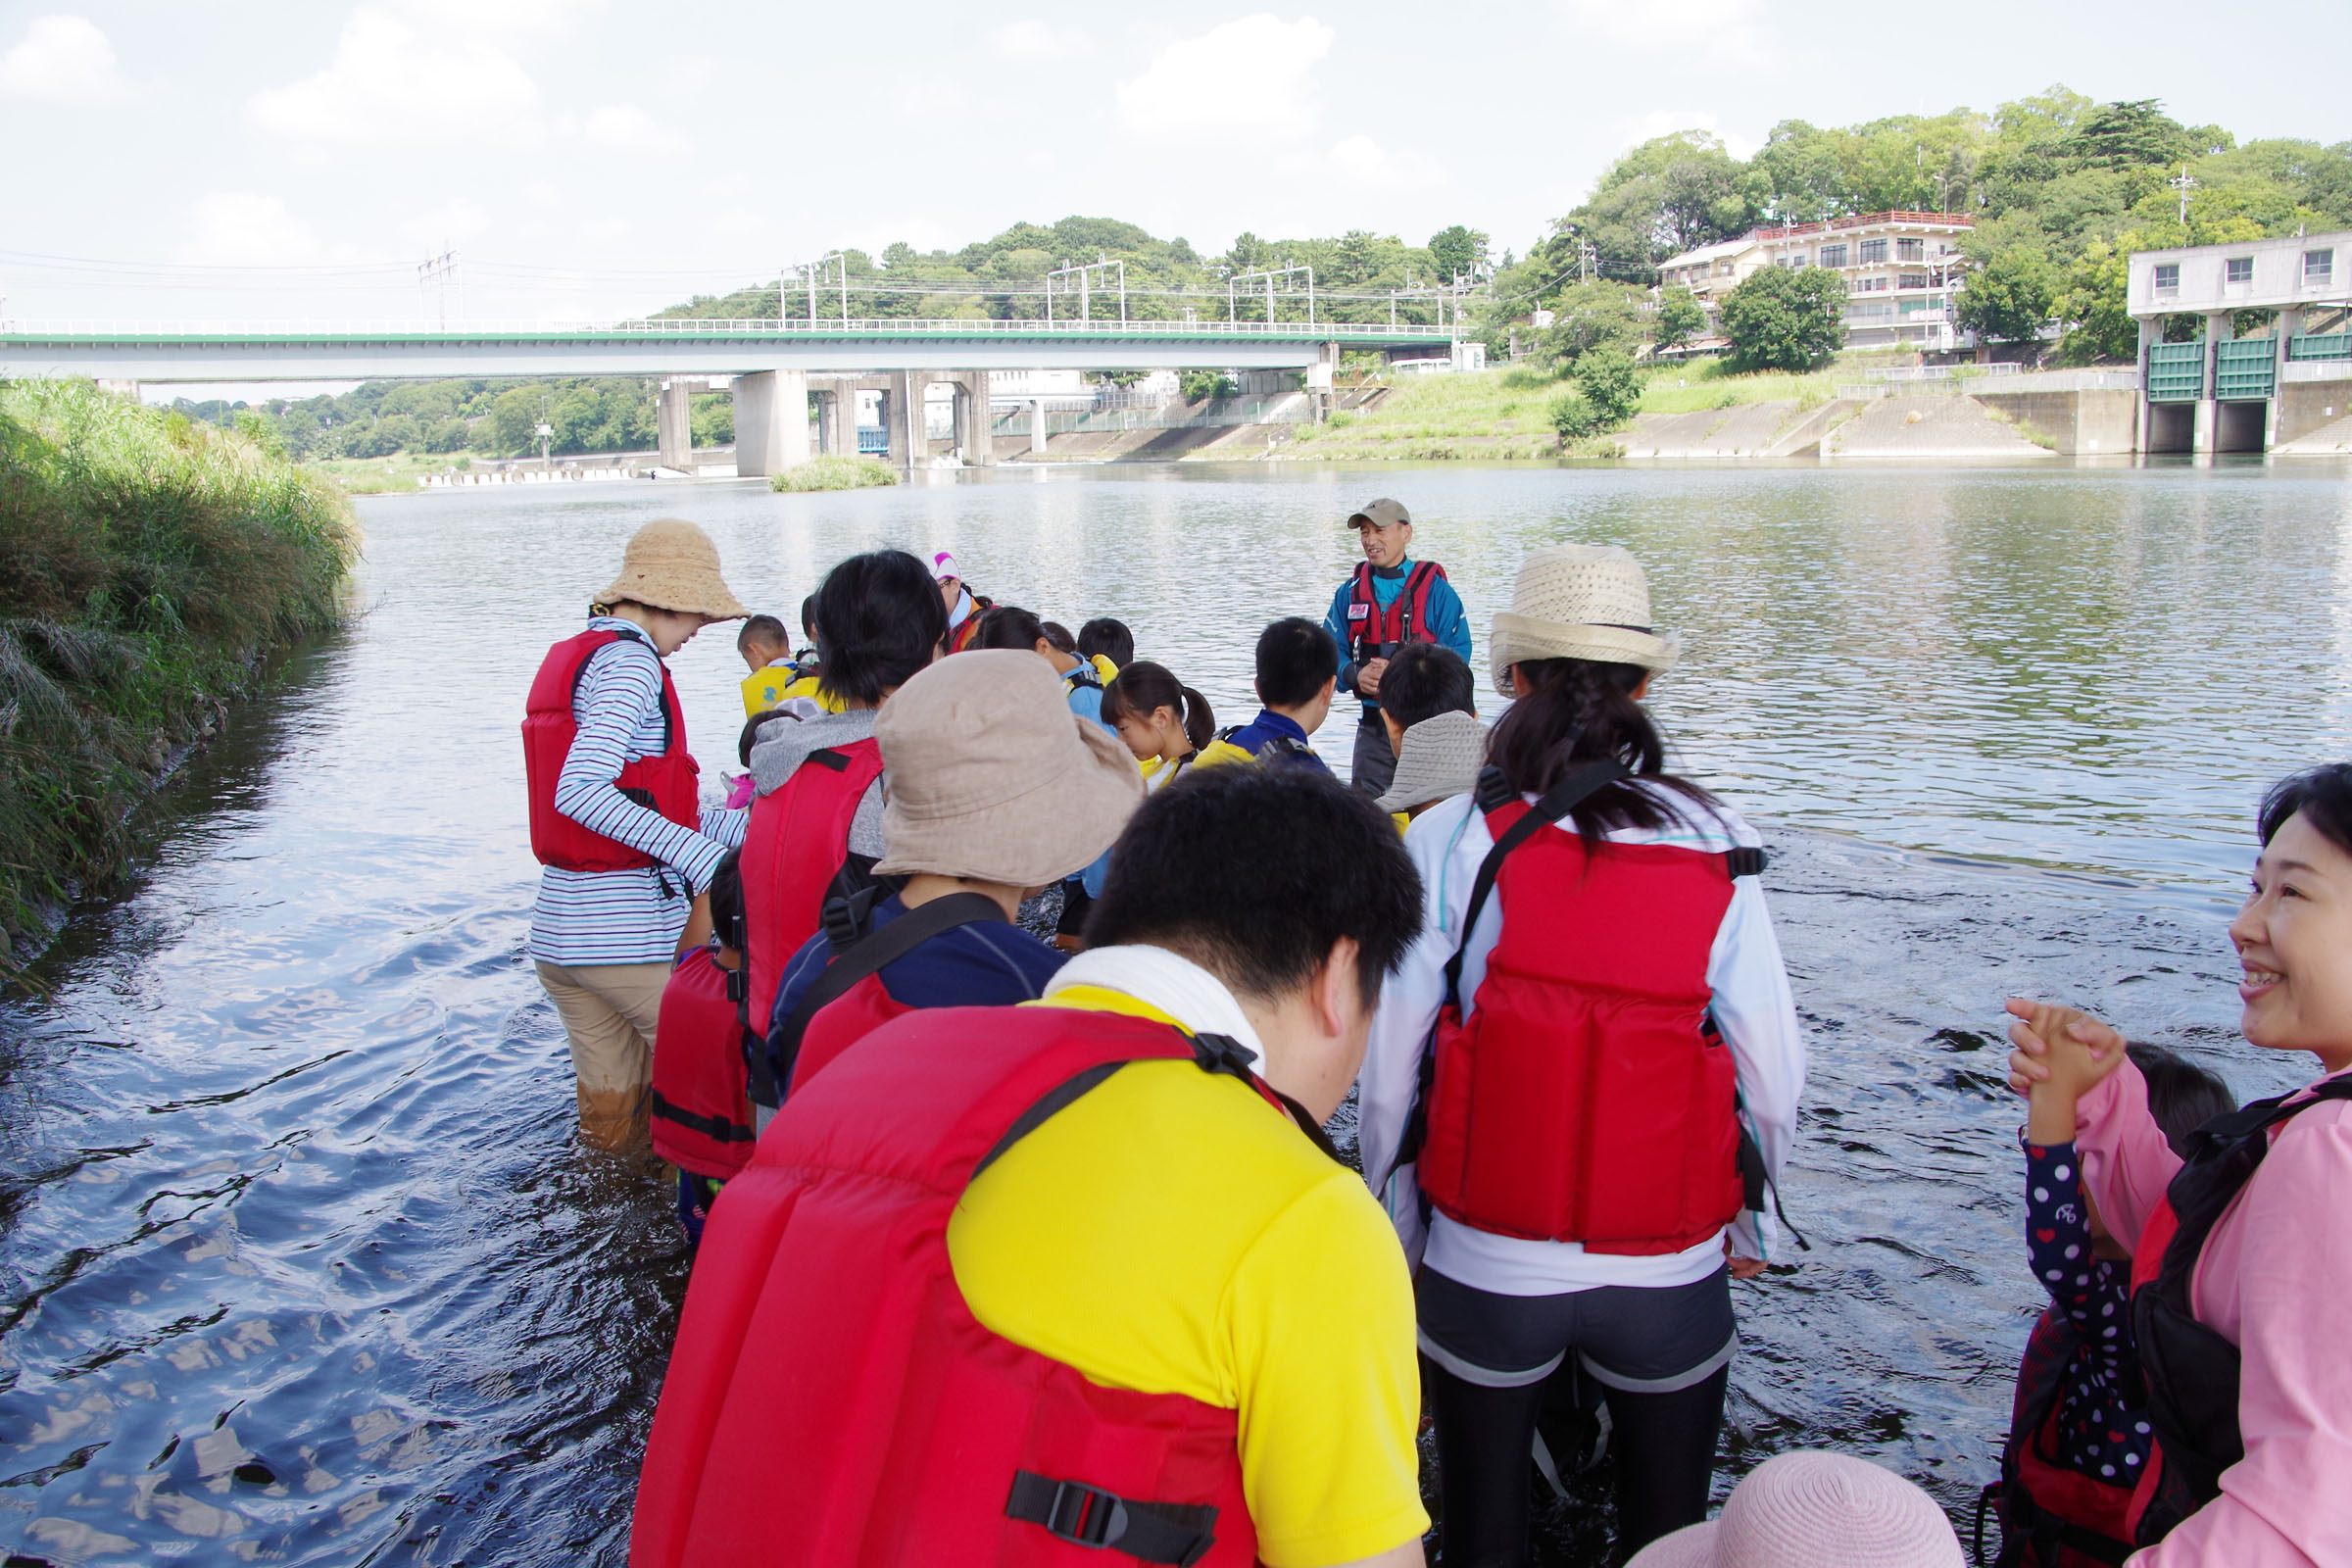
(148, 567)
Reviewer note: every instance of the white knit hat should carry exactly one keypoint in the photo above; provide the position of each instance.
(1805, 1509)
(1578, 601)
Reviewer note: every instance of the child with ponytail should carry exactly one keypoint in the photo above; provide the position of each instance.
(1163, 720)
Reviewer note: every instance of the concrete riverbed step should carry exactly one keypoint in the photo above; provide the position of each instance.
(1934, 425)
(1781, 427)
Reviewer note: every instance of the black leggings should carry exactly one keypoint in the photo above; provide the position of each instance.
(1663, 1439)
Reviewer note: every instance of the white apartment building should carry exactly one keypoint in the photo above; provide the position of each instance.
(1901, 270)
(1713, 270)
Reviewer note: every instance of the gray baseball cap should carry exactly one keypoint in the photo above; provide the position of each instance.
(1383, 513)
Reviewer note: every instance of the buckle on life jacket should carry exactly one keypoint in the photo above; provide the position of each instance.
(1221, 1053)
(1096, 1519)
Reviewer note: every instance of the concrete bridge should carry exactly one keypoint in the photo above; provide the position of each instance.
(773, 364)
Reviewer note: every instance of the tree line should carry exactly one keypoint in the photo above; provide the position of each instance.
(2060, 188)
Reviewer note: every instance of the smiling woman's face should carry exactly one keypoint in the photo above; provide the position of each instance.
(2294, 940)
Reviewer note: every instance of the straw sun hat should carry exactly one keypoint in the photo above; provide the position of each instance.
(1578, 601)
(672, 565)
(1798, 1510)
(1439, 757)
(992, 777)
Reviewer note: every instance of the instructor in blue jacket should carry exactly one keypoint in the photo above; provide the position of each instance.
(1390, 601)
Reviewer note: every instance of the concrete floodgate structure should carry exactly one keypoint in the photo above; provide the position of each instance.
(2288, 390)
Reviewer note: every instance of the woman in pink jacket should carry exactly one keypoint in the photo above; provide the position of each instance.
(2242, 1253)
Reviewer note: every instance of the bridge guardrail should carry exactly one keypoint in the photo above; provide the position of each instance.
(699, 328)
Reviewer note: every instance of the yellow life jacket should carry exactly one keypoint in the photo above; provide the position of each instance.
(1106, 669)
(770, 686)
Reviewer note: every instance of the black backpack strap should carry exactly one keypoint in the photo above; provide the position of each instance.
(827, 756)
(1495, 792)
(869, 954)
(1745, 860)
(1090, 1517)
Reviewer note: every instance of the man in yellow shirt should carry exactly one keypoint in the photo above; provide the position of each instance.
(1163, 1318)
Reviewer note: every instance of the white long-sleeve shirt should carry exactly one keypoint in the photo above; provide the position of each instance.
(1752, 1006)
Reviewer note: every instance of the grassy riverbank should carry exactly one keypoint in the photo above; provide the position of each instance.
(148, 565)
(1507, 414)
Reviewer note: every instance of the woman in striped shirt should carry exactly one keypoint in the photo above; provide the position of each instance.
(616, 820)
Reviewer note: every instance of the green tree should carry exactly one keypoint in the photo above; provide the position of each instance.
(1458, 252)
(1662, 198)
(1573, 416)
(1785, 319)
(2009, 294)
(1679, 319)
(513, 418)
(1588, 315)
(1607, 379)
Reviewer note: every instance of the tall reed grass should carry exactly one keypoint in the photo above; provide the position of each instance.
(148, 565)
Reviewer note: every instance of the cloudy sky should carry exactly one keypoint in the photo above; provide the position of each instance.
(289, 158)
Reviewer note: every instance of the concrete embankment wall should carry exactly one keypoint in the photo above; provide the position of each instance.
(2101, 421)
(1930, 426)
(2315, 416)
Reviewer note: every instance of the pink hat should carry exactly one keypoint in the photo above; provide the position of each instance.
(1797, 1510)
(942, 566)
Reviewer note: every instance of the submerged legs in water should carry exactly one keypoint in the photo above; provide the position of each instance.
(609, 1011)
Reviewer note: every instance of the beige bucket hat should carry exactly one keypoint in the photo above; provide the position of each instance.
(992, 777)
(1578, 601)
(672, 565)
(1439, 757)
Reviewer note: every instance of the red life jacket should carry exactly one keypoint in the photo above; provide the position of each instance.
(832, 1399)
(667, 782)
(795, 851)
(2192, 1373)
(2053, 1515)
(702, 1019)
(1374, 632)
(1585, 1098)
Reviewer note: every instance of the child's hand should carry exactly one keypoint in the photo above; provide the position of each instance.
(2062, 1054)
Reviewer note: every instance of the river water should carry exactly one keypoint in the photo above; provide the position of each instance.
(299, 1264)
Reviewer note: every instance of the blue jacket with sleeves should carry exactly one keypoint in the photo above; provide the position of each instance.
(1448, 624)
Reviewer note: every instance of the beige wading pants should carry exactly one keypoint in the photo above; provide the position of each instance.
(609, 1011)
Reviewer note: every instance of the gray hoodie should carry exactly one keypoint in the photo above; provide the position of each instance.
(783, 747)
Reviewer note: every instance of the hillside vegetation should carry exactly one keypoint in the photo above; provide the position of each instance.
(148, 565)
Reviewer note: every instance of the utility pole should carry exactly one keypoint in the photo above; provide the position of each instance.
(1085, 296)
(1270, 275)
(2185, 182)
(1586, 258)
(438, 273)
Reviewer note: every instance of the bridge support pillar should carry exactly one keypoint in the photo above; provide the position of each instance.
(841, 419)
(1037, 427)
(910, 435)
(771, 421)
(674, 425)
(2206, 434)
(976, 420)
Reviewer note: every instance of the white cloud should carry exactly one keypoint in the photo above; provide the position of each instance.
(1361, 162)
(621, 128)
(65, 59)
(1665, 121)
(1252, 78)
(244, 228)
(1716, 32)
(1030, 39)
(400, 75)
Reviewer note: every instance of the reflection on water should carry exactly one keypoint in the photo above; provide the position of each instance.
(296, 1260)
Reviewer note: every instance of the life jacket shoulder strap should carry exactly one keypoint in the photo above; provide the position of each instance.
(872, 952)
(670, 709)
(1745, 860)
(1514, 825)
